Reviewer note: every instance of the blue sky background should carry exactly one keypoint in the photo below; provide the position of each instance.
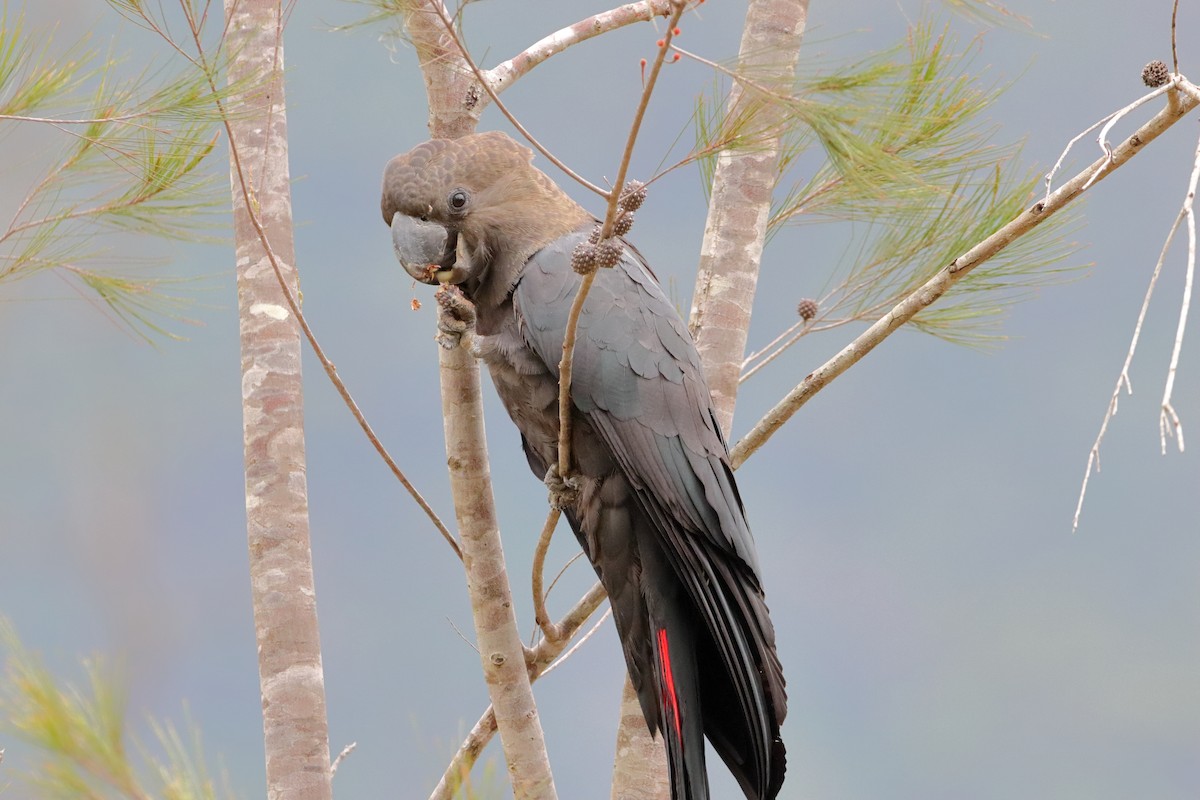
(943, 633)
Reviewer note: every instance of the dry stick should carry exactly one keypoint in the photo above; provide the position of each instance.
(936, 286)
(1168, 420)
(1174, 51)
(540, 615)
(540, 658)
(1123, 377)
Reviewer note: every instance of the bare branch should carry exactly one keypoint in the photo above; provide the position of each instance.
(1123, 378)
(1168, 421)
(337, 762)
(504, 74)
(540, 615)
(936, 286)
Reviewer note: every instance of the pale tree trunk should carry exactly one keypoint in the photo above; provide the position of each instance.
(289, 655)
(640, 769)
(455, 97)
(496, 634)
(741, 202)
(455, 100)
(727, 277)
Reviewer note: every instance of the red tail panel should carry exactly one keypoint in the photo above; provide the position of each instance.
(664, 657)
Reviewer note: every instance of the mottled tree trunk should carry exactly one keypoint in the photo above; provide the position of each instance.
(741, 202)
(285, 620)
(640, 769)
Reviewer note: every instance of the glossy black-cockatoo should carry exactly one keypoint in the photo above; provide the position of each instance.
(657, 510)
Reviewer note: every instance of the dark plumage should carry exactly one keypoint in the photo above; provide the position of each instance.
(658, 512)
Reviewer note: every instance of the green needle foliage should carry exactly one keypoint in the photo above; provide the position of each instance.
(127, 155)
(895, 149)
(81, 734)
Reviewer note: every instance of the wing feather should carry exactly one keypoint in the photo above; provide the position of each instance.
(639, 383)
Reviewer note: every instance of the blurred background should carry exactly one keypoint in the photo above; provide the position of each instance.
(944, 633)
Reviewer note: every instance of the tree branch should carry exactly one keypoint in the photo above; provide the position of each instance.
(936, 286)
(1168, 420)
(540, 615)
(501, 76)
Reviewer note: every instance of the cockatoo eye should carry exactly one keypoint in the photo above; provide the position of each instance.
(458, 200)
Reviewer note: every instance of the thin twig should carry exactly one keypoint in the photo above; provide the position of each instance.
(347, 750)
(797, 335)
(566, 365)
(1102, 137)
(1123, 378)
(745, 82)
(1107, 122)
(639, 115)
(1168, 420)
(563, 571)
(540, 615)
(936, 286)
(765, 348)
(565, 368)
(462, 635)
(582, 639)
(1174, 52)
